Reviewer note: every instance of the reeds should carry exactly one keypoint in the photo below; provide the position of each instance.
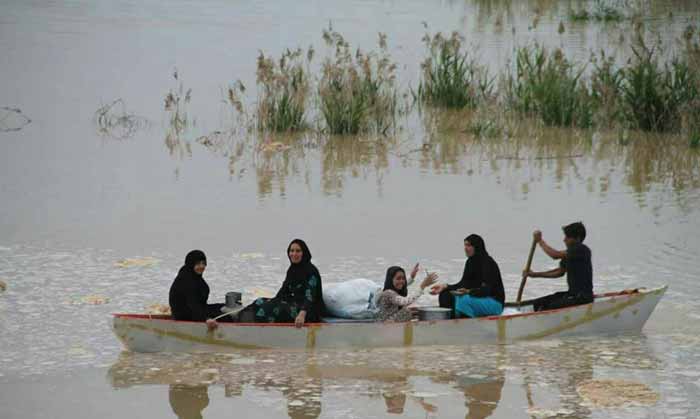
(176, 102)
(449, 76)
(357, 91)
(283, 91)
(601, 12)
(545, 85)
(645, 95)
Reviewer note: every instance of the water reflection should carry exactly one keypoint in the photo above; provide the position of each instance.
(517, 154)
(188, 402)
(399, 381)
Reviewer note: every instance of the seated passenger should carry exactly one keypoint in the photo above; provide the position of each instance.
(480, 291)
(575, 262)
(393, 302)
(300, 299)
(189, 292)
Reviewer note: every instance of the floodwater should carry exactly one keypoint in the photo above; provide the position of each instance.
(78, 199)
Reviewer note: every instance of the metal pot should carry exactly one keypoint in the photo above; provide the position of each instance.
(434, 313)
(233, 299)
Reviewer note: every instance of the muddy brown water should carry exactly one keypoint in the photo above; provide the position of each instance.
(78, 200)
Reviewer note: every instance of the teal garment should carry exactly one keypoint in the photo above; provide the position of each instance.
(468, 306)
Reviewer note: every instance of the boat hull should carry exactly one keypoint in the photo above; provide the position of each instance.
(614, 313)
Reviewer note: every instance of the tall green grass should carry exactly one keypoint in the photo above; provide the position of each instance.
(449, 76)
(357, 90)
(545, 85)
(283, 90)
(602, 11)
(606, 83)
(654, 96)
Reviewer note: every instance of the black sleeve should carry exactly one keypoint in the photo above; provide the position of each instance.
(192, 300)
(468, 271)
(486, 288)
(490, 285)
(282, 291)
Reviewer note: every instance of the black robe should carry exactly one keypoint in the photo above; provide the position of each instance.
(301, 290)
(189, 293)
(481, 276)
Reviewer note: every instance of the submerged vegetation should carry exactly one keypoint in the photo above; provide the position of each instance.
(115, 122)
(357, 91)
(449, 76)
(283, 91)
(547, 86)
(601, 12)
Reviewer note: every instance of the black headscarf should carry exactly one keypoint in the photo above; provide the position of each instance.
(481, 273)
(300, 273)
(192, 259)
(389, 281)
(305, 252)
(479, 246)
(189, 292)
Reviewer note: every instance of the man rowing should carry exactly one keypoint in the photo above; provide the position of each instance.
(575, 262)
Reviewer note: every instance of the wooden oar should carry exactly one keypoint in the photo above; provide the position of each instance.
(527, 269)
(234, 311)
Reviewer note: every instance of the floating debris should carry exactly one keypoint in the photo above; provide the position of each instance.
(423, 395)
(251, 255)
(12, 119)
(136, 262)
(3, 286)
(617, 393)
(242, 361)
(274, 146)
(94, 300)
(545, 413)
(215, 140)
(115, 122)
(160, 309)
(210, 371)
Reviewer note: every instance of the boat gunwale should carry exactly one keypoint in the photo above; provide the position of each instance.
(609, 295)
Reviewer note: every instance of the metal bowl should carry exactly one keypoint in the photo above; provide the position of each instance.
(233, 299)
(434, 313)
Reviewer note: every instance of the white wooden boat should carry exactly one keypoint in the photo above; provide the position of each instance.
(612, 313)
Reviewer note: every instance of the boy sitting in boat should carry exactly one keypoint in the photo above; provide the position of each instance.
(575, 262)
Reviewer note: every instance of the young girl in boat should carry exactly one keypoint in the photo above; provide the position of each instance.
(394, 300)
(480, 291)
(300, 298)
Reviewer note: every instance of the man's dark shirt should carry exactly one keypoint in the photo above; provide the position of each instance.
(579, 270)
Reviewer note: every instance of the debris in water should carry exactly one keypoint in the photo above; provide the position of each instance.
(544, 413)
(160, 309)
(94, 300)
(422, 395)
(114, 121)
(251, 255)
(12, 119)
(272, 146)
(617, 393)
(242, 361)
(3, 286)
(136, 262)
(210, 371)
(296, 403)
